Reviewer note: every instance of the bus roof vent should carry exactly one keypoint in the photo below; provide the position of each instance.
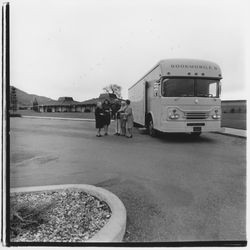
(168, 73)
(189, 73)
(202, 74)
(196, 74)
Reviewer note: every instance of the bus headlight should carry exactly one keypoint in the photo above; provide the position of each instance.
(216, 116)
(173, 115)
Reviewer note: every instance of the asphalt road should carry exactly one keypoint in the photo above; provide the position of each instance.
(174, 187)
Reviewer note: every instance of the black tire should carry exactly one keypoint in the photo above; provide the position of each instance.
(151, 130)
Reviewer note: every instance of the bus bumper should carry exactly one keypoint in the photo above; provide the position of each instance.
(190, 126)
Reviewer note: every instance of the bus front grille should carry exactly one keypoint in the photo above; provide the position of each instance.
(196, 115)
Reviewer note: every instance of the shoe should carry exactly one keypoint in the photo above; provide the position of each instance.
(116, 134)
(129, 136)
(106, 134)
(99, 135)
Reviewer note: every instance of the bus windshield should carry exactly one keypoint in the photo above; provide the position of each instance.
(190, 87)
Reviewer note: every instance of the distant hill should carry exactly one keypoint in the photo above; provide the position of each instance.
(25, 99)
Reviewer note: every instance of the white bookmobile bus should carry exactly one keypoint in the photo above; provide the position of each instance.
(178, 96)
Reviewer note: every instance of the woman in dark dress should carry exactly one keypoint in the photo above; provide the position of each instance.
(99, 118)
(107, 110)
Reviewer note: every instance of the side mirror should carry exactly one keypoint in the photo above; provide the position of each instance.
(219, 89)
(156, 89)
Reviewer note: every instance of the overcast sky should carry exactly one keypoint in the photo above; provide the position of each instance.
(77, 47)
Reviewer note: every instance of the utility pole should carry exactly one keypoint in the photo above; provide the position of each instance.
(5, 229)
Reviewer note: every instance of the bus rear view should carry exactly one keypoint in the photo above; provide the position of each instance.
(179, 95)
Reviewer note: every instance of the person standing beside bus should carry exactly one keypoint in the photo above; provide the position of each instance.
(115, 108)
(122, 118)
(107, 117)
(129, 120)
(99, 118)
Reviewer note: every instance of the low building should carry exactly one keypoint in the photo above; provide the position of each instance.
(234, 106)
(67, 104)
(63, 104)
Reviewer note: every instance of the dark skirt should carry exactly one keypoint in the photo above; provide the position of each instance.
(106, 119)
(99, 122)
(99, 118)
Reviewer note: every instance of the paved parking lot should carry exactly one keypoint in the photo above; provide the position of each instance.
(174, 187)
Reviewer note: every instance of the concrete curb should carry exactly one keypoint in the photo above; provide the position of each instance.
(233, 132)
(115, 228)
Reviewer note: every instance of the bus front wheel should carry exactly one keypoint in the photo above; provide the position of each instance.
(151, 129)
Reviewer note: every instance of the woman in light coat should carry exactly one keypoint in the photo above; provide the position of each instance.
(129, 120)
(122, 118)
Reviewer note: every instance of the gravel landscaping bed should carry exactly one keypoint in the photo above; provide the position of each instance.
(69, 215)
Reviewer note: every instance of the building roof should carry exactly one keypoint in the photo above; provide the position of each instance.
(69, 101)
(62, 101)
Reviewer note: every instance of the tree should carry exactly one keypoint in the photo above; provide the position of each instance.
(113, 89)
(35, 105)
(13, 99)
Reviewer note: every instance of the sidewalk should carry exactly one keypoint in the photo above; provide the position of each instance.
(226, 131)
(234, 132)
